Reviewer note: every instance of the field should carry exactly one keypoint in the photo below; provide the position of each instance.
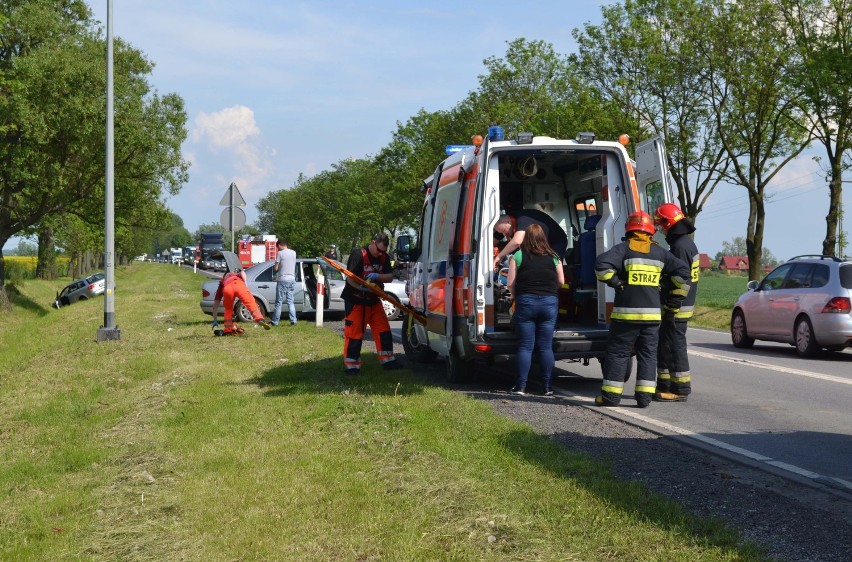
(720, 290)
(171, 444)
(23, 267)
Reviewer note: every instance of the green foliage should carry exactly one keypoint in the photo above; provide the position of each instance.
(52, 160)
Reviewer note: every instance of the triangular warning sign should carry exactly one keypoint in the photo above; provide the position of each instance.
(238, 197)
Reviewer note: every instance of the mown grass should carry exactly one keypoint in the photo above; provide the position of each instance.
(170, 444)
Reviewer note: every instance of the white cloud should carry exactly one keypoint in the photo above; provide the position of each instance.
(233, 135)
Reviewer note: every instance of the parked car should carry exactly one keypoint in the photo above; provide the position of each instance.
(804, 302)
(262, 285)
(395, 288)
(81, 289)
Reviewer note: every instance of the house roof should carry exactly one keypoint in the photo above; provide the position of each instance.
(734, 262)
(704, 261)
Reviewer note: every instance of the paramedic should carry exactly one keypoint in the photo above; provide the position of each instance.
(231, 286)
(514, 227)
(634, 269)
(674, 382)
(364, 308)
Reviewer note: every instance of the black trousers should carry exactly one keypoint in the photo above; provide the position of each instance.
(672, 360)
(625, 338)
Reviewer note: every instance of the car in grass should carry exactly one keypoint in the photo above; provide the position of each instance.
(395, 288)
(262, 286)
(806, 302)
(81, 289)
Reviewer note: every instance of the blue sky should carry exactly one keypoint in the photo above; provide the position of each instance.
(275, 88)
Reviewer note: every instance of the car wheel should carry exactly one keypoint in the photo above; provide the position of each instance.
(739, 333)
(391, 310)
(415, 350)
(806, 345)
(243, 314)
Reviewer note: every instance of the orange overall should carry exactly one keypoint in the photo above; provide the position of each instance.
(364, 309)
(230, 287)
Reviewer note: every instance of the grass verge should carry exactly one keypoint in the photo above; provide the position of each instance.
(170, 444)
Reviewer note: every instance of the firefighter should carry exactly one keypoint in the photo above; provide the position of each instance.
(231, 286)
(634, 269)
(363, 308)
(673, 377)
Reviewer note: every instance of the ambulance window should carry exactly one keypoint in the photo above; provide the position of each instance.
(654, 196)
(585, 206)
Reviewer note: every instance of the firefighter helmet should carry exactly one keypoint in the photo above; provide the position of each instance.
(641, 221)
(667, 215)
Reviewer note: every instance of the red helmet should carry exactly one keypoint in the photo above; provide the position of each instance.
(668, 215)
(641, 221)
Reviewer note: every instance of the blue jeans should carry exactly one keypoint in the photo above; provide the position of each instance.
(535, 321)
(284, 292)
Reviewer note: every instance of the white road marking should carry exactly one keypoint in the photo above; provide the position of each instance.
(758, 365)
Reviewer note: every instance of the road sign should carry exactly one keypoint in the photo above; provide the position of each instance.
(238, 197)
(239, 218)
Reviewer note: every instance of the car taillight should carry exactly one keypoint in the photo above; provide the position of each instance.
(92, 286)
(838, 304)
(205, 293)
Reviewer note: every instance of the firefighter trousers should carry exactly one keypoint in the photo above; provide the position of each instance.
(232, 291)
(358, 317)
(624, 339)
(672, 360)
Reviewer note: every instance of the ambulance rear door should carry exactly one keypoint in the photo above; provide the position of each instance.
(652, 175)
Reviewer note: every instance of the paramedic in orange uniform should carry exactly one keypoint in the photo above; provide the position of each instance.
(231, 286)
(364, 308)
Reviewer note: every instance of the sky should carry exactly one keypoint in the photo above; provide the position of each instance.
(278, 88)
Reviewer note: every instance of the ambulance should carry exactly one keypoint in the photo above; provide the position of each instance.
(587, 186)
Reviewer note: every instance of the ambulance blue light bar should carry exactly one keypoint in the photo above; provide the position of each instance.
(496, 133)
(453, 148)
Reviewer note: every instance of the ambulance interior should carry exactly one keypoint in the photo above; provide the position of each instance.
(567, 185)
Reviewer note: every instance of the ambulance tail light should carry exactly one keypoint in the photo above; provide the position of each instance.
(482, 348)
(605, 193)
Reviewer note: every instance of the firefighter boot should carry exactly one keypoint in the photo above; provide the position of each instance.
(669, 397)
(601, 401)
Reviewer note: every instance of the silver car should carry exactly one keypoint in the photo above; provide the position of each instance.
(395, 288)
(804, 302)
(262, 285)
(81, 289)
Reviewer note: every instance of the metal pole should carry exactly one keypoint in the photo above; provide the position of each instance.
(109, 331)
(231, 213)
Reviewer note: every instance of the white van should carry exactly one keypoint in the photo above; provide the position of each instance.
(452, 280)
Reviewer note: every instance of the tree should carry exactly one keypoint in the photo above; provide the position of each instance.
(52, 123)
(822, 36)
(745, 62)
(738, 247)
(644, 59)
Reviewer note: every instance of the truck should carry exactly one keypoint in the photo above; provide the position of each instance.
(257, 249)
(587, 186)
(208, 243)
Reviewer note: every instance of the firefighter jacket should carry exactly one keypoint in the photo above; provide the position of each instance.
(637, 276)
(683, 248)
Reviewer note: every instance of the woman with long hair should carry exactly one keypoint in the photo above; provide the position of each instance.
(535, 275)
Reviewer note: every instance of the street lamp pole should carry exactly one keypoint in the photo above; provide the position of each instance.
(109, 331)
